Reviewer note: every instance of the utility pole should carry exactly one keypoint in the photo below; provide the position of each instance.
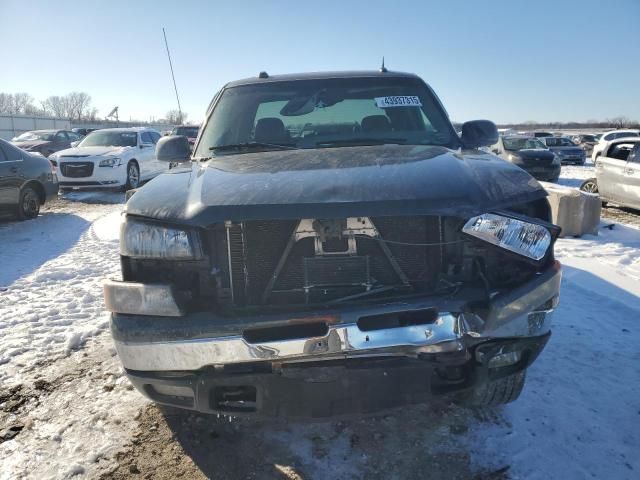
(166, 44)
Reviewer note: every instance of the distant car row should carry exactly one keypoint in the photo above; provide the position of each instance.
(542, 153)
(107, 158)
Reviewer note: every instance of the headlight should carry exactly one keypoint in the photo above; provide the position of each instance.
(524, 238)
(148, 240)
(54, 156)
(511, 158)
(109, 162)
(556, 159)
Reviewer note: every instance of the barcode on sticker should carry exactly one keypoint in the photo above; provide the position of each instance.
(398, 101)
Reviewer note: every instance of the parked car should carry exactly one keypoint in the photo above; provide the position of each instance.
(307, 268)
(27, 181)
(565, 149)
(189, 131)
(110, 158)
(529, 154)
(586, 141)
(617, 177)
(83, 132)
(542, 134)
(605, 141)
(45, 142)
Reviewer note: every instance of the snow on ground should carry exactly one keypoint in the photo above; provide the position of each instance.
(574, 175)
(55, 354)
(53, 270)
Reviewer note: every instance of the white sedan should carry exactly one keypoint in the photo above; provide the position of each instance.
(110, 158)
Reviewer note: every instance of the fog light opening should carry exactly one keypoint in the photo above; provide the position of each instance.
(505, 359)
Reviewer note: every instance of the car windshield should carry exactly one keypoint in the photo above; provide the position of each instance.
(34, 136)
(558, 142)
(186, 131)
(516, 143)
(326, 113)
(110, 139)
(589, 138)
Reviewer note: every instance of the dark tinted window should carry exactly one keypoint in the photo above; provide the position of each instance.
(3, 156)
(61, 137)
(146, 137)
(620, 151)
(155, 136)
(626, 134)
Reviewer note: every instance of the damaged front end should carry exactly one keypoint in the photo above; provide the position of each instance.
(319, 317)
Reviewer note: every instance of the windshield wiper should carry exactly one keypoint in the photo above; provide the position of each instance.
(250, 145)
(361, 141)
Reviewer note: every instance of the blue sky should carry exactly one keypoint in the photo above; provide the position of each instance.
(503, 60)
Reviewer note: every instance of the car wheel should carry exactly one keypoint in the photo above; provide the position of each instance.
(29, 204)
(590, 186)
(497, 392)
(133, 176)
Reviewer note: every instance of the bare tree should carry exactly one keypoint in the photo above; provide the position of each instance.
(175, 118)
(55, 106)
(620, 122)
(17, 103)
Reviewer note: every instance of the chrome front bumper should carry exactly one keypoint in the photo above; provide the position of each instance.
(148, 343)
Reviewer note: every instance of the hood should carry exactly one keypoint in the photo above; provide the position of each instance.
(336, 183)
(534, 153)
(91, 151)
(32, 144)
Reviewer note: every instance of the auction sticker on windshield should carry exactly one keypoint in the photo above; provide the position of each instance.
(398, 101)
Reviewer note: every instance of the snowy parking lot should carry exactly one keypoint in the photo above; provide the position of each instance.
(66, 410)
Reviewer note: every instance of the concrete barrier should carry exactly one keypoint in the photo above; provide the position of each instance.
(575, 211)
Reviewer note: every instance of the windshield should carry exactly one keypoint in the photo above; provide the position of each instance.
(589, 138)
(558, 142)
(327, 113)
(186, 131)
(33, 136)
(110, 139)
(522, 143)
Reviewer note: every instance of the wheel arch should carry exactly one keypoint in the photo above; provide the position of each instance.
(38, 187)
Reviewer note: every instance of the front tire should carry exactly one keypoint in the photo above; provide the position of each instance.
(29, 204)
(497, 392)
(590, 185)
(133, 176)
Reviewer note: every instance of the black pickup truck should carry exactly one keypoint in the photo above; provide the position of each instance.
(334, 247)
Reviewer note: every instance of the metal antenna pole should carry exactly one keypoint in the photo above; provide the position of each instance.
(172, 75)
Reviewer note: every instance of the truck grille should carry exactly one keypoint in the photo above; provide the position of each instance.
(261, 264)
(76, 169)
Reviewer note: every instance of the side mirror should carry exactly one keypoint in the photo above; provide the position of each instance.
(173, 149)
(479, 133)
